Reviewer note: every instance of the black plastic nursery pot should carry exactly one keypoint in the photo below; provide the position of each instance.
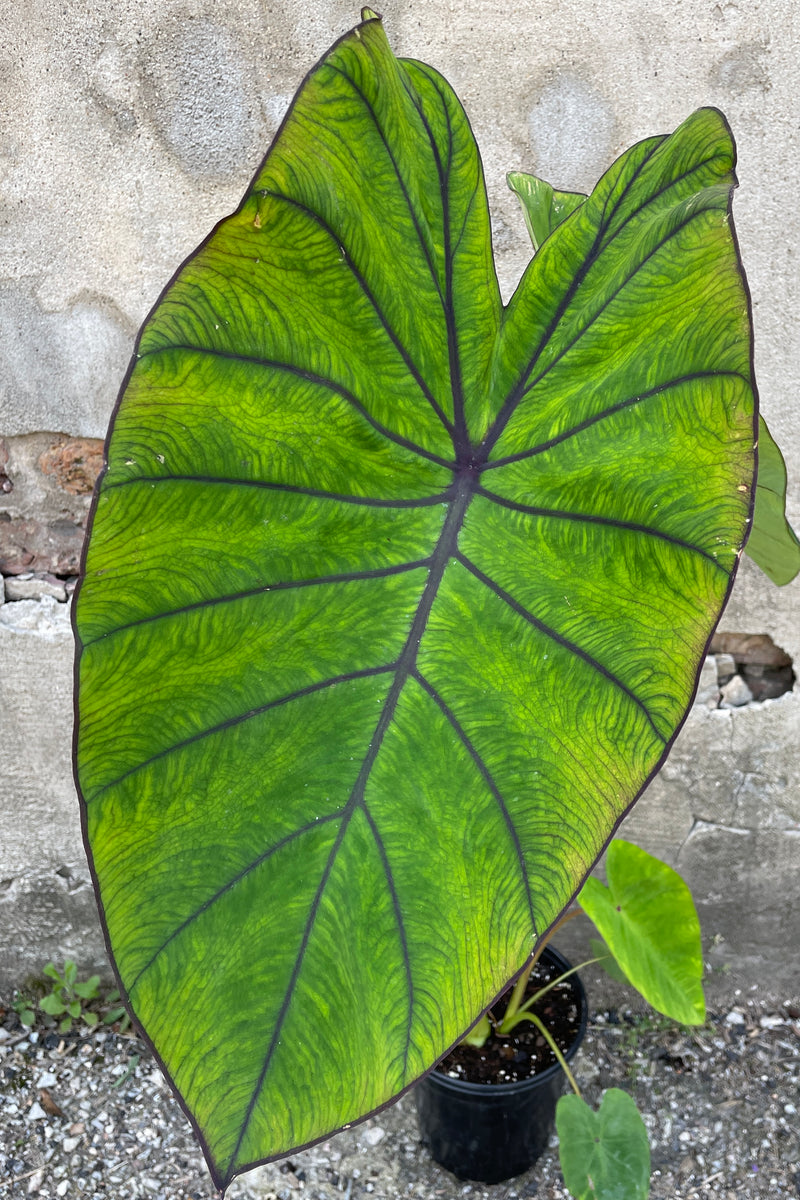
(492, 1131)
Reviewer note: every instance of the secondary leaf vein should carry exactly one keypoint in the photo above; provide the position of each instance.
(559, 638)
(612, 409)
(365, 288)
(279, 586)
(231, 722)
(488, 779)
(221, 891)
(309, 377)
(316, 493)
(401, 929)
(595, 519)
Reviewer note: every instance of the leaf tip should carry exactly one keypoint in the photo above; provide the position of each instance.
(369, 14)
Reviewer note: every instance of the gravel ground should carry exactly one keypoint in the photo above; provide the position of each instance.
(88, 1114)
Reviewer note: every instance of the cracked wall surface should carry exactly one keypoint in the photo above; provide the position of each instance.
(127, 129)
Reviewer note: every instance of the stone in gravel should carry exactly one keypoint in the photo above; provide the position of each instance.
(35, 1182)
(47, 1080)
(36, 1112)
(735, 693)
(374, 1135)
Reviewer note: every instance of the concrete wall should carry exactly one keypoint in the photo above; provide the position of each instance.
(129, 128)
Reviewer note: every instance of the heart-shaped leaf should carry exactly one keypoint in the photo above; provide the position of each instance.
(604, 1155)
(394, 599)
(649, 921)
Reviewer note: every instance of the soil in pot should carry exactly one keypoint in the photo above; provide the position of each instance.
(487, 1113)
(523, 1052)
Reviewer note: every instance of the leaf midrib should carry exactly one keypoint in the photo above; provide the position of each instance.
(445, 550)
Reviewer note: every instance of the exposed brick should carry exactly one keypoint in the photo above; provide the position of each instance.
(30, 545)
(75, 463)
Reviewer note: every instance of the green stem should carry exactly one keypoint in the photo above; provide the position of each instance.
(562, 1062)
(508, 1022)
(522, 983)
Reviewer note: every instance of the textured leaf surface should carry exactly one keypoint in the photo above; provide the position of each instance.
(650, 924)
(394, 599)
(604, 1155)
(773, 544)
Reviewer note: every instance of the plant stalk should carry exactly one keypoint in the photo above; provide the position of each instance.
(521, 1012)
(562, 1062)
(522, 983)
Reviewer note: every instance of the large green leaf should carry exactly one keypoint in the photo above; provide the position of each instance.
(394, 599)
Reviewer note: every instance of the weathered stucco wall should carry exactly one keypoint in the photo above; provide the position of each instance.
(127, 129)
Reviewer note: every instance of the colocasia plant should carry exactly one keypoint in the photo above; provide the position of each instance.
(395, 597)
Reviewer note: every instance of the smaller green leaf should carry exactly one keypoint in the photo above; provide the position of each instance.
(52, 1005)
(70, 970)
(51, 971)
(74, 1009)
(90, 1018)
(543, 206)
(648, 918)
(116, 1014)
(65, 1025)
(607, 961)
(604, 1155)
(26, 1016)
(88, 989)
(773, 544)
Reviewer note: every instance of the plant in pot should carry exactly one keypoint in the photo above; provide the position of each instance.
(487, 1111)
(395, 597)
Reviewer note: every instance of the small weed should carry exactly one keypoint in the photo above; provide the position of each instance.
(24, 1007)
(643, 1024)
(64, 999)
(68, 998)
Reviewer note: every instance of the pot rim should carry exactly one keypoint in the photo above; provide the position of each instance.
(447, 1083)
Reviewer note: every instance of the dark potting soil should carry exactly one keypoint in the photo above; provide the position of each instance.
(523, 1052)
